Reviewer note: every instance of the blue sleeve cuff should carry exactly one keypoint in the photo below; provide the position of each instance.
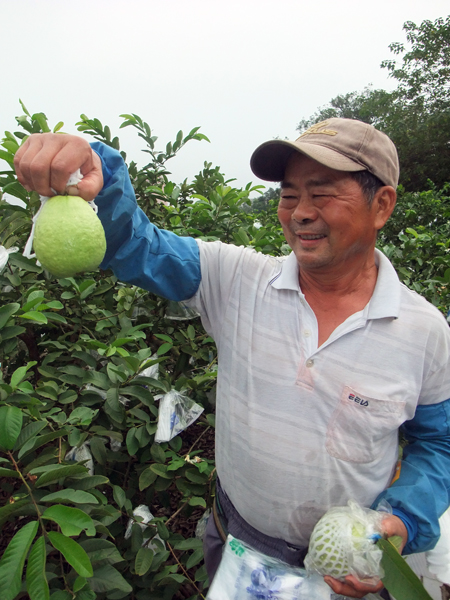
(409, 522)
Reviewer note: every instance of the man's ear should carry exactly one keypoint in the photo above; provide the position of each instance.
(383, 204)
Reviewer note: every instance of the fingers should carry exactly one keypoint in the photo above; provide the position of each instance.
(352, 587)
(393, 525)
(45, 162)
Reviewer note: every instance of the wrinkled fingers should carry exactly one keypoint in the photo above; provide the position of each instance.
(45, 161)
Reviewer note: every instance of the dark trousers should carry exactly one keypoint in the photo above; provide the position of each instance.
(233, 523)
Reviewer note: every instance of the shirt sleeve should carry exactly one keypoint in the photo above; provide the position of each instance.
(422, 490)
(136, 250)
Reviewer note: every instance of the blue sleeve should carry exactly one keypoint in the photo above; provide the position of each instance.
(136, 250)
(422, 490)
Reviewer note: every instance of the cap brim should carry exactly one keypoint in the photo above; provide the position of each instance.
(268, 161)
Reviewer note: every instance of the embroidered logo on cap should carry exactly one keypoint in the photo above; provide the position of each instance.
(319, 128)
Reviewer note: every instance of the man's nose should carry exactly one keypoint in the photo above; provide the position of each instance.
(305, 210)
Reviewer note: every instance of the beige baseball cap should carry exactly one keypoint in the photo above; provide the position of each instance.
(341, 144)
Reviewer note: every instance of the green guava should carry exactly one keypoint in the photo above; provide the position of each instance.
(68, 237)
(342, 543)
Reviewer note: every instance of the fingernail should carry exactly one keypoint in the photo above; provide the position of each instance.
(72, 190)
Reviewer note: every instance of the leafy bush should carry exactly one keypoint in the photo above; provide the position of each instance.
(78, 410)
(417, 241)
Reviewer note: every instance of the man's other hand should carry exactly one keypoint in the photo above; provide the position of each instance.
(352, 587)
(45, 162)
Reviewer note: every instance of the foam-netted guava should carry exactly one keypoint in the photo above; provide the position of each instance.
(69, 237)
(343, 543)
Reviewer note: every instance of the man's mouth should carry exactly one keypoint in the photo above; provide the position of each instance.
(306, 236)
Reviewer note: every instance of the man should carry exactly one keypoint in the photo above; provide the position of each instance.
(323, 355)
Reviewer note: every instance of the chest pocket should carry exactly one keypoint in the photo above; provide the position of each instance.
(360, 426)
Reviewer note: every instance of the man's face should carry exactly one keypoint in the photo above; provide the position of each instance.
(325, 218)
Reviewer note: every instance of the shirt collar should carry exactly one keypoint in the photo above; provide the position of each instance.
(385, 301)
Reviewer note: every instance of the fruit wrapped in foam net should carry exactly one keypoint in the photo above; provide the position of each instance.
(343, 543)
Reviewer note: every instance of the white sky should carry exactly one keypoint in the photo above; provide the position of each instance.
(245, 71)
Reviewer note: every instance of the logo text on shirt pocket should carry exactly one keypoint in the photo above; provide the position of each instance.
(358, 400)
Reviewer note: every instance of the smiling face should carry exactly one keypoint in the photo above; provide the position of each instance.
(325, 217)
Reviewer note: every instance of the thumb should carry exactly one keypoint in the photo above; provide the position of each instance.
(91, 184)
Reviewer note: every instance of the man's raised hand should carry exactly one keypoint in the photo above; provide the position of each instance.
(45, 162)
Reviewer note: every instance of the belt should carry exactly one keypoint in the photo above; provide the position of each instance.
(219, 520)
(227, 520)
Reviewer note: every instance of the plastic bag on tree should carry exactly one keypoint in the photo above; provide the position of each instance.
(80, 454)
(176, 413)
(343, 543)
(246, 574)
(178, 311)
(152, 371)
(200, 529)
(146, 516)
(4, 255)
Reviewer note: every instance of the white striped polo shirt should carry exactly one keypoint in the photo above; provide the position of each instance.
(300, 428)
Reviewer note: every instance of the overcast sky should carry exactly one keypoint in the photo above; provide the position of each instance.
(245, 71)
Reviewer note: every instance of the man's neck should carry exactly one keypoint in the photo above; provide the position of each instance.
(334, 298)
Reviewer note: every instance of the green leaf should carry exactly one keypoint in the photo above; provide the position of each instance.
(108, 578)
(79, 584)
(197, 501)
(113, 408)
(163, 532)
(8, 473)
(60, 472)
(71, 520)
(10, 425)
(37, 586)
(146, 478)
(119, 496)
(152, 383)
(34, 315)
(11, 564)
(161, 470)
(74, 554)
(89, 482)
(189, 544)
(98, 450)
(20, 373)
(164, 348)
(158, 453)
(70, 496)
(42, 120)
(61, 595)
(194, 559)
(399, 579)
(11, 332)
(82, 415)
(196, 477)
(131, 442)
(101, 550)
(36, 442)
(6, 311)
(29, 432)
(241, 237)
(143, 561)
(163, 336)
